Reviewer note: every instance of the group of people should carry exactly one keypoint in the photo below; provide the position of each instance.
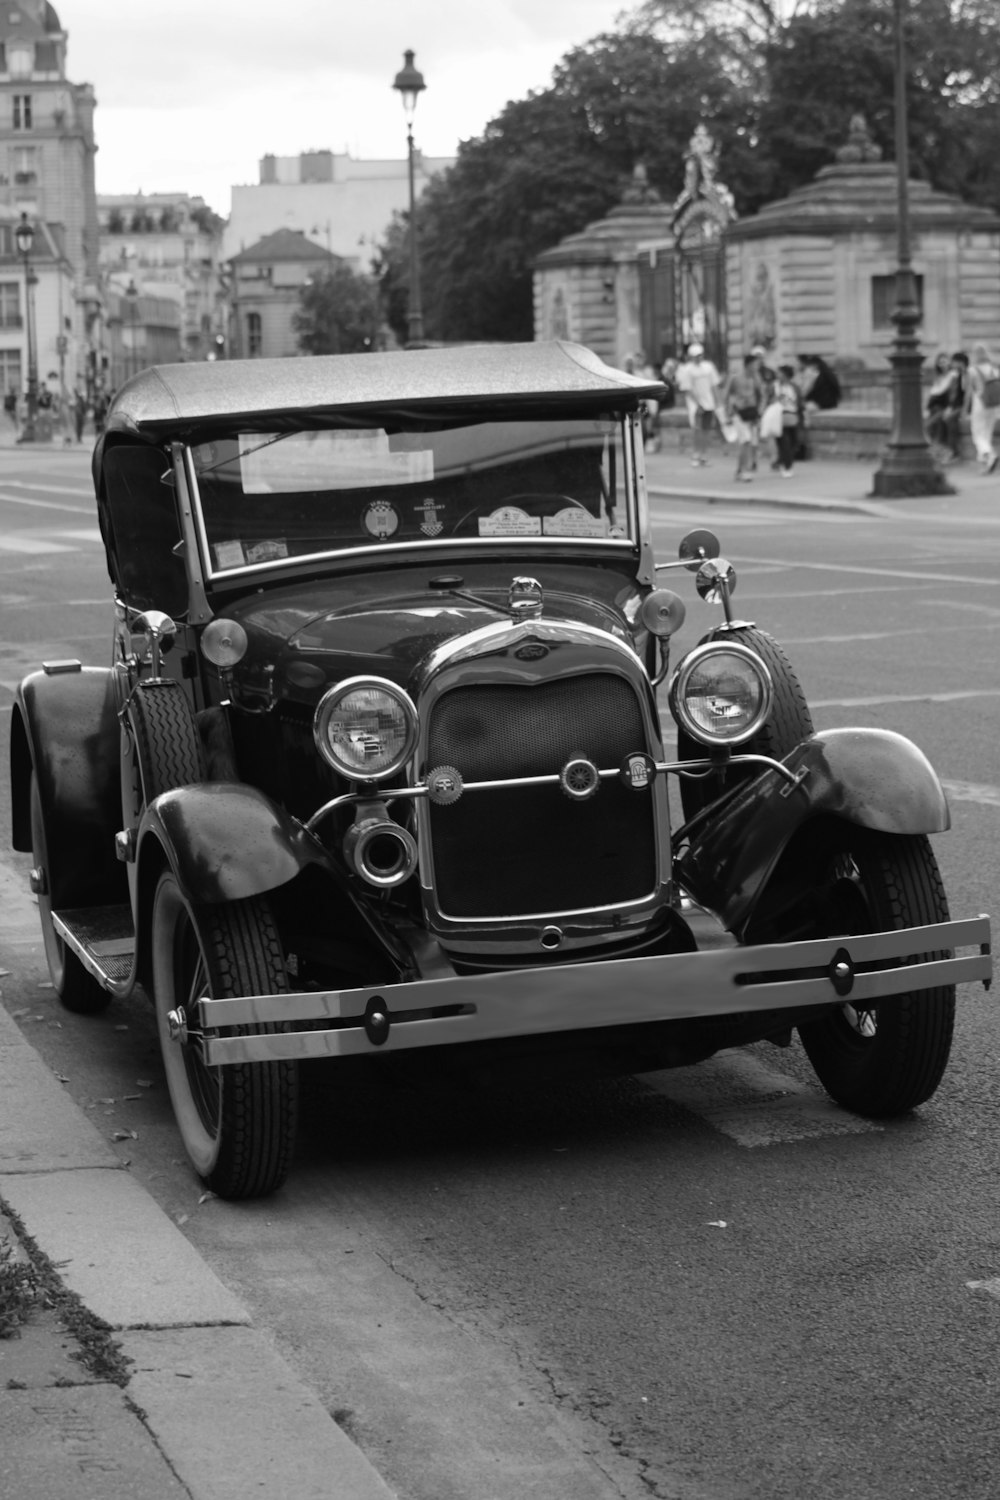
(757, 406)
(964, 387)
(59, 414)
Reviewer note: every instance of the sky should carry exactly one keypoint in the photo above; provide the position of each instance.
(191, 94)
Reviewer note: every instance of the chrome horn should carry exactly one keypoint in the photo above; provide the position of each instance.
(379, 850)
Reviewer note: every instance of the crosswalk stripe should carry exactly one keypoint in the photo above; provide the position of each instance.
(754, 1105)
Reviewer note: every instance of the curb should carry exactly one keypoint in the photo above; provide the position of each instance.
(211, 1410)
(744, 496)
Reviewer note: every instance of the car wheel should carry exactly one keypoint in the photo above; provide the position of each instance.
(890, 1057)
(76, 988)
(237, 1122)
(789, 722)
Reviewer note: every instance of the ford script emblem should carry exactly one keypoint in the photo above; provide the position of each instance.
(532, 651)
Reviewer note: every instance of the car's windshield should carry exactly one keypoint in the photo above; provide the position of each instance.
(268, 497)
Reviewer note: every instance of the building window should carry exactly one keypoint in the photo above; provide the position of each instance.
(10, 371)
(46, 57)
(20, 59)
(884, 300)
(10, 304)
(24, 166)
(22, 111)
(253, 334)
(7, 246)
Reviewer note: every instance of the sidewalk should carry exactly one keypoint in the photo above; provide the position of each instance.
(817, 484)
(183, 1398)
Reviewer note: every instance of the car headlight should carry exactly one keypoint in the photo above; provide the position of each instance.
(366, 728)
(721, 693)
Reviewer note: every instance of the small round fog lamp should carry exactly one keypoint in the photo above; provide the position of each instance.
(224, 643)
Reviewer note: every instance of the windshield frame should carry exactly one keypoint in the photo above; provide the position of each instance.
(633, 504)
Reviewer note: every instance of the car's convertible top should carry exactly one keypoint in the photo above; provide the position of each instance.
(199, 401)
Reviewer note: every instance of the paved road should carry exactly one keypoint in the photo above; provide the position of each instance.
(703, 1284)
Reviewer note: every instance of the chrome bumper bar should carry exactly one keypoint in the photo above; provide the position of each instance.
(575, 997)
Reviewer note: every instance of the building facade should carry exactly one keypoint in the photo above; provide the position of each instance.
(168, 247)
(265, 282)
(47, 154)
(337, 201)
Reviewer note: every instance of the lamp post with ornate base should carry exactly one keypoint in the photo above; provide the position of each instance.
(908, 467)
(410, 84)
(24, 237)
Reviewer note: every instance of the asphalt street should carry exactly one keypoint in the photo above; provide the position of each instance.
(708, 1284)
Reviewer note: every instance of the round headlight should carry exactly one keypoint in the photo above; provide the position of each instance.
(721, 694)
(366, 728)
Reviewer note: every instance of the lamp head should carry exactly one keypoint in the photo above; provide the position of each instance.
(410, 84)
(24, 236)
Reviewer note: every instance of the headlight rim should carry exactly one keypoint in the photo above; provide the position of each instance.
(326, 707)
(681, 676)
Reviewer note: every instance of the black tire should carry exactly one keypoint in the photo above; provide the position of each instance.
(238, 1123)
(167, 748)
(886, 1060)
(76, 988)
(789, 722)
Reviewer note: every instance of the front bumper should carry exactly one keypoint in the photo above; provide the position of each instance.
(859, 969)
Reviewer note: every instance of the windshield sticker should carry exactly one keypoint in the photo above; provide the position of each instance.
(574, 521)
(329, 461)
(430, 525)
(266, 551)
(228, 555)
(380, 520)
(510, 520)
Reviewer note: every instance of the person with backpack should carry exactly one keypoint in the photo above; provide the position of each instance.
(983, 405)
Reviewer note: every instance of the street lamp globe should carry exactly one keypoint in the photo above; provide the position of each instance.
(24, 236)
(410, 85)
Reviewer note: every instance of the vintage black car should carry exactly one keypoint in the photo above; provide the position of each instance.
(377, 764)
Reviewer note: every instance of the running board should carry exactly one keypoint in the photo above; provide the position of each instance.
(103, 939)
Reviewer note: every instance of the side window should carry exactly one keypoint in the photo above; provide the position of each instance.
(139, 523)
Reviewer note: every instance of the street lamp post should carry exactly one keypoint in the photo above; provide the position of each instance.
(24, 236)
(908, 466)
(410, 84)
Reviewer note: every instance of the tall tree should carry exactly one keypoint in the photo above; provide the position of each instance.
(338, 313)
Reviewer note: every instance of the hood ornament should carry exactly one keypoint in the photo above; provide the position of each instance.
(525, 599)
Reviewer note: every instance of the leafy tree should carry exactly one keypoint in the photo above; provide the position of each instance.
(339, 313)
(547, 166)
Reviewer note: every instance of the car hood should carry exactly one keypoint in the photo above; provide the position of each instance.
(303, 638)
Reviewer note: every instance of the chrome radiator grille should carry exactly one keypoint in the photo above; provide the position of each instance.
(521, 851)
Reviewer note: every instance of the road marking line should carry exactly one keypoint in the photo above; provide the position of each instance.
(963, 578)
(34, 545)
(992, 1286)
(904, 698)
(52, 489)
(971, 791)
(754, 1105)
(76, 510)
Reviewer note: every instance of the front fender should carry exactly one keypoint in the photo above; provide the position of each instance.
(226, 841)
(64, 728)
(871, 777)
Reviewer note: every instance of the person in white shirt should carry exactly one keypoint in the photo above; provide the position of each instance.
(699, 381)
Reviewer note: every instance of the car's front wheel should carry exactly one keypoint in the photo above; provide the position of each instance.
(237, 1122)
(882, 1059)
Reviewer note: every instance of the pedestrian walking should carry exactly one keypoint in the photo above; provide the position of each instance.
(10, 407)
(79, 413)
(741, 399)
(790, 397)
(699, 381)
(983, 405)
(943, 409)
